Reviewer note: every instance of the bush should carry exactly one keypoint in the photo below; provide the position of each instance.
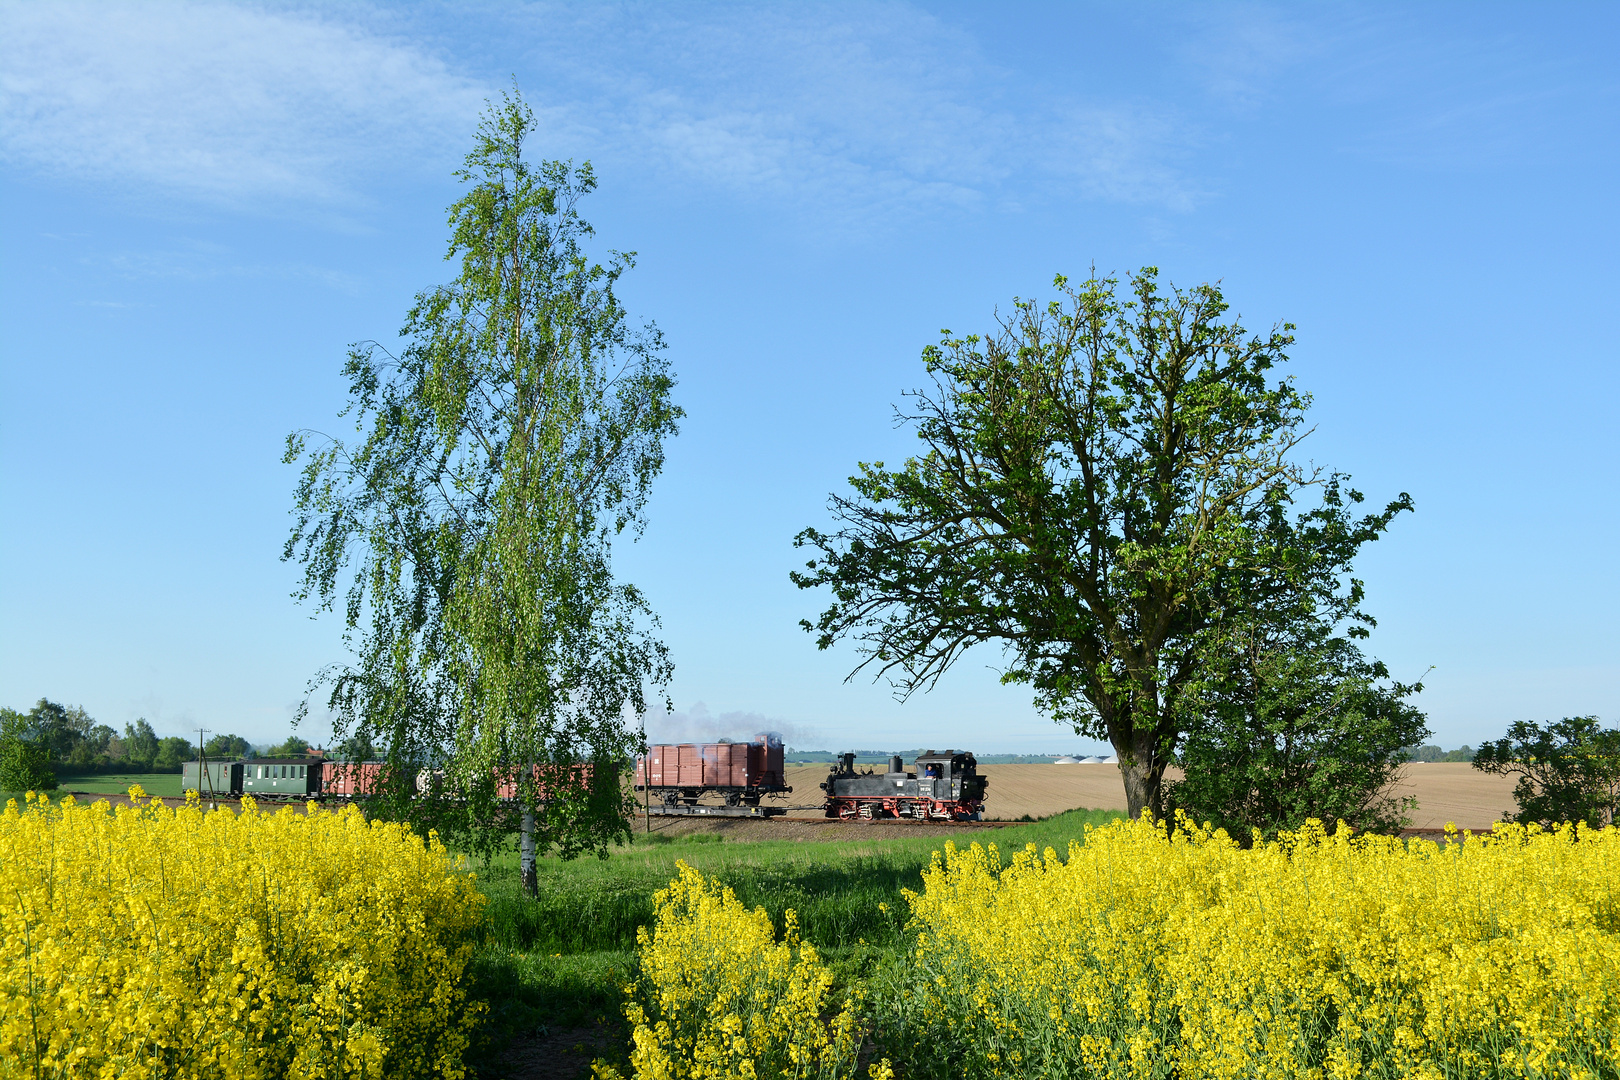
(25, 761)
(1568, 771)
(145, 941)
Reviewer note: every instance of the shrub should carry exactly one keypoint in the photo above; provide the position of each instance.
(145, 941)
(1568, 771)
(24, 765)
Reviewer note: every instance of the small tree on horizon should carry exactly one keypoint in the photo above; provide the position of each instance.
(1568, 770)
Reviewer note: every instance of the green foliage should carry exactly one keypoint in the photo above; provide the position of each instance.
(560, 959)
(25, 757)
(140, 743)
(357, 747)
(293, 747)
(73, 744)
(1285, 718)
(1568, 770)
(172, 752)
(227, 747)
(502, 451)
(1091, 474)
(1306, 729)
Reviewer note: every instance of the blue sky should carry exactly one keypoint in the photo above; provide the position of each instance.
(204, 203)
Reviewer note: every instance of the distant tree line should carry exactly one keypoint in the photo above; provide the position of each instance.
(1435, 753)
(52, 740)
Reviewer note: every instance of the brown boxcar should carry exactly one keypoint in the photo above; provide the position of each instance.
(506, 786)
(347, 779)
(740, 773)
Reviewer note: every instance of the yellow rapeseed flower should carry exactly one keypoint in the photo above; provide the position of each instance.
(143, 941)
(719, 997)
(1315, 956)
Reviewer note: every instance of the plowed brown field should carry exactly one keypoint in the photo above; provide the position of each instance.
(1446, 791)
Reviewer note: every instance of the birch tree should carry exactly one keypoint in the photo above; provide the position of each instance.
(468, 526)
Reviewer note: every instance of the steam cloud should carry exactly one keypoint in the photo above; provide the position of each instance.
(698, 724)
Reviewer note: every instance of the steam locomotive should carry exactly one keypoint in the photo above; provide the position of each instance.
(944, 787)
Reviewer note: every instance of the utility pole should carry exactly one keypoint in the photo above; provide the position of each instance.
(202, 764)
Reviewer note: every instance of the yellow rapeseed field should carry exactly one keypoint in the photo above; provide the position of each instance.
(1138, 956)
(143, 941)
(719, 997)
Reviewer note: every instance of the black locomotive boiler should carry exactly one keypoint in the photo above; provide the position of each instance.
(944, 787)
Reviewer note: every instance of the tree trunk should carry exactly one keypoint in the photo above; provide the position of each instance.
(1143, 772)
(527, 870)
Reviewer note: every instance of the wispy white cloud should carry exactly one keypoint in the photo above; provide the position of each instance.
(863, 111)
(1474, 96)
(837, 113)
(229, 103)
(1239, 55)
(205, 261)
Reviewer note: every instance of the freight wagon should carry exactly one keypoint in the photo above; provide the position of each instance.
(348, 779)
(677, 774)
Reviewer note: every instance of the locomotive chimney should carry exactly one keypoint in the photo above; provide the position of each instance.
(896, 765)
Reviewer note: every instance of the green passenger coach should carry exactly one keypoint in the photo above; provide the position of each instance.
(286, 777)
(217, 778)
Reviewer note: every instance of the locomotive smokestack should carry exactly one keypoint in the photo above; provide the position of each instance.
(896, 765)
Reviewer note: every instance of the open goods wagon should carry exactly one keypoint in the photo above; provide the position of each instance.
(944, 787)
(678, 774)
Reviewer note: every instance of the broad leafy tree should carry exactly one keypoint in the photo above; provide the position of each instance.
(1568, 770)
(295, 746)
(1091, 471)
(227, 747)
(141, 743)
(468, 528)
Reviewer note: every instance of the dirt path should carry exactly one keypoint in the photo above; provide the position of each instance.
(1446, 791)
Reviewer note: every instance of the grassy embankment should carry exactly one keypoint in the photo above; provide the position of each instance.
(164, 784)
(559, 961)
